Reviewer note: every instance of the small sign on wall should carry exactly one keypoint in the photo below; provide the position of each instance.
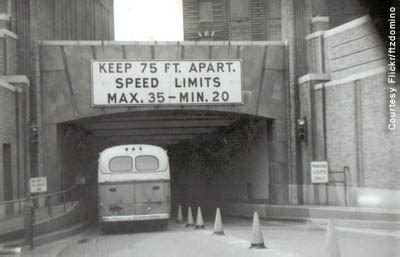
(80, 180)
(38, 185)
(319, 172)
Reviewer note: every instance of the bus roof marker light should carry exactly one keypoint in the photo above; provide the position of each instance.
(133, 148)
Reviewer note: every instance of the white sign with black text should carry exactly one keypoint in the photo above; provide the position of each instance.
(161, 82)
(319, 172)
(38, 185)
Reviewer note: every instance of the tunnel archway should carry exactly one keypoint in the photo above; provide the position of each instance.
(213, 155)
(67, 94)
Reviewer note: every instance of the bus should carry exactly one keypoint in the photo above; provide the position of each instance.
(133, 185)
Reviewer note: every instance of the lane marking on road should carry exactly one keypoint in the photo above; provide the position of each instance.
(239, 242)
(370, 231)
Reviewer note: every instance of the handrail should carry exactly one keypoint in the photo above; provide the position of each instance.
(29, 209)
(55, 193)
(39, 196)
(13, 201)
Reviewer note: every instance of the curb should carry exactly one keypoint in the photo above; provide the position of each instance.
(50, 237)
(18, 233)
(354, 218)
(57, 235)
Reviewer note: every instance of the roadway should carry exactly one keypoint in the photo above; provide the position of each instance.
(288, 239)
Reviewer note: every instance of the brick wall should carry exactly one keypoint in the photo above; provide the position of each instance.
(342, 11)
(238, 20)
(357, 113)
(58, 20)
(354, 47)
(38, 20)
(264, 21)
(351, 113)
(75, 20)
(8, 135)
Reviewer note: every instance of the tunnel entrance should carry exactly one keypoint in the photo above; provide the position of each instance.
(213, 155)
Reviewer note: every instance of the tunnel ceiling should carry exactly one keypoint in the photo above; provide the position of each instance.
(162, 128)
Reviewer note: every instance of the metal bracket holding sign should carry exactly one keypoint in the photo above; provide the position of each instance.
(319, 172)
(38, 185)
(341, 180)
(166, 82)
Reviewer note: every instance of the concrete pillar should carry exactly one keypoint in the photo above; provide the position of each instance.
(21, 83)
(21, 140)
(288, 36)
(313, 149)
(297, 22)
(23, 131)
(4, 21)
(51, 164)
(316, 52)
(319, 23)
(279, 171)
(8, 52)
(312, 107)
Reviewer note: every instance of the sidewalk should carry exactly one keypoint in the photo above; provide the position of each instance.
(356, 217)
(15, 223)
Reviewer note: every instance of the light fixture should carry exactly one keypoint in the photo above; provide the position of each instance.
(302, 129)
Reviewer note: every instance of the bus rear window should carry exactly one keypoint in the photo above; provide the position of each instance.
(146, 163)
(121, 163)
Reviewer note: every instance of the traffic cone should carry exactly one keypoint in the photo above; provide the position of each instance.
(218, 228)
(331, 243)
(199, 219)
(179, 216)
(189, 221)
(257, 240)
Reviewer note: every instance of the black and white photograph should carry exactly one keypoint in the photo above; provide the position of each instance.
(199, 128)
